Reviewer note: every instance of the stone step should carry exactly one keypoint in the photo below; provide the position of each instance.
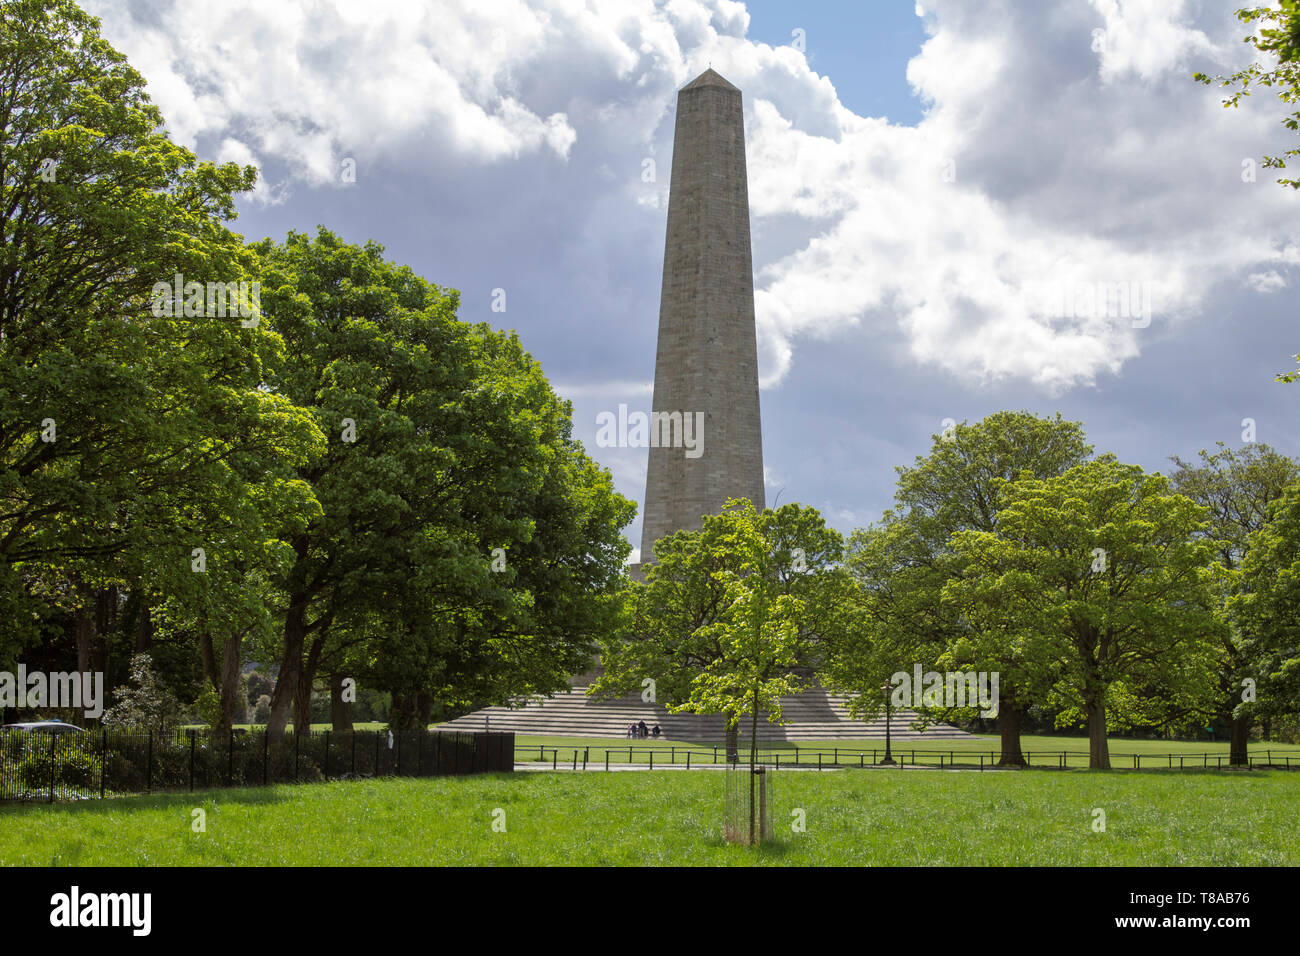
(812, 715)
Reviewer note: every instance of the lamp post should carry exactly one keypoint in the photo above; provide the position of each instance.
(889, 757)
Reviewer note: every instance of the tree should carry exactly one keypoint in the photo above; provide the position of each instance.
(466, 547)
(737, 612)
(757, 634)
(132, 426)
(1266, 610)
(1103, 566)
(143, 704)
(902, 565)
(1238, 489)
(1281, 46)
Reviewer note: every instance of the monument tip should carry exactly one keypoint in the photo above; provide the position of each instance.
(709, 77)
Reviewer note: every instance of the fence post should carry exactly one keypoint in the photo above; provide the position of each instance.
(103, 760)
(297, 746)
(607, 759)
(53, 764)
(149, 766)
(652, 759)
(191, 761)
(688, 760)
(376, 753)
(354, 753)
(266, 756)
(419, 751)
(325, 770)
(555, 758)
(230, 760)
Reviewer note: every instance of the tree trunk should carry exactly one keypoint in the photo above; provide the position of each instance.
(209, 658)
(1238, 753)
(1098, 746)
(306, 678)
(404, 712)
(231, 659)
(84, 626)
(733, 744)
(1009, 714)
(105, 621)
(340, 709)
(286, 683)
(144, 633)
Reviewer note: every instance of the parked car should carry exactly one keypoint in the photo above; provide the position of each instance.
(45, 727)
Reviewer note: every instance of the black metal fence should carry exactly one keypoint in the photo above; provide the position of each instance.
(39, 766)
(829, 758)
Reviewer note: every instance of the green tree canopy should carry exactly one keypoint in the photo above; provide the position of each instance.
(1238, 488)
(1101, 570)
(902, 564)
(467, 549)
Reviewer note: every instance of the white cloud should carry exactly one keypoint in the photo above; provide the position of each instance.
(1041, 162)
(1063, 179)
(1266, 281)
(1145, 37)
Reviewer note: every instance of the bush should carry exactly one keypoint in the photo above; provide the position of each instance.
(76, 766)
(262, 712)
(208, 707)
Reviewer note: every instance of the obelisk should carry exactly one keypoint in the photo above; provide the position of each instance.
(707, 357)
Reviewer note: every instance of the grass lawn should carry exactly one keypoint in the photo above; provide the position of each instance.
(853, 818)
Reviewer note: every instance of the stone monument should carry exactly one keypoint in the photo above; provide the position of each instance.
(706, 364)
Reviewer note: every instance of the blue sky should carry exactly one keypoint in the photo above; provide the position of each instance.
(916, 184)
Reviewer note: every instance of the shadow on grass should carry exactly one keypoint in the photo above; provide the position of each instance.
(146, 801)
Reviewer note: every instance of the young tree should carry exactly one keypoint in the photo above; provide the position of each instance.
(712, 621)
(1103, 566)
(757, 634)
(143, 703)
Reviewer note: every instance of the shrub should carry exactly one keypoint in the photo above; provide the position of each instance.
(75, 766)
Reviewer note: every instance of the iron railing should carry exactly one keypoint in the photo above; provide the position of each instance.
(41, 766)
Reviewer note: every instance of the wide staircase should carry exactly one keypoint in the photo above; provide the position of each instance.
(812, 715)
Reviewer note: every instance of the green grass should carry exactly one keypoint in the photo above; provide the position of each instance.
(874, 817)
